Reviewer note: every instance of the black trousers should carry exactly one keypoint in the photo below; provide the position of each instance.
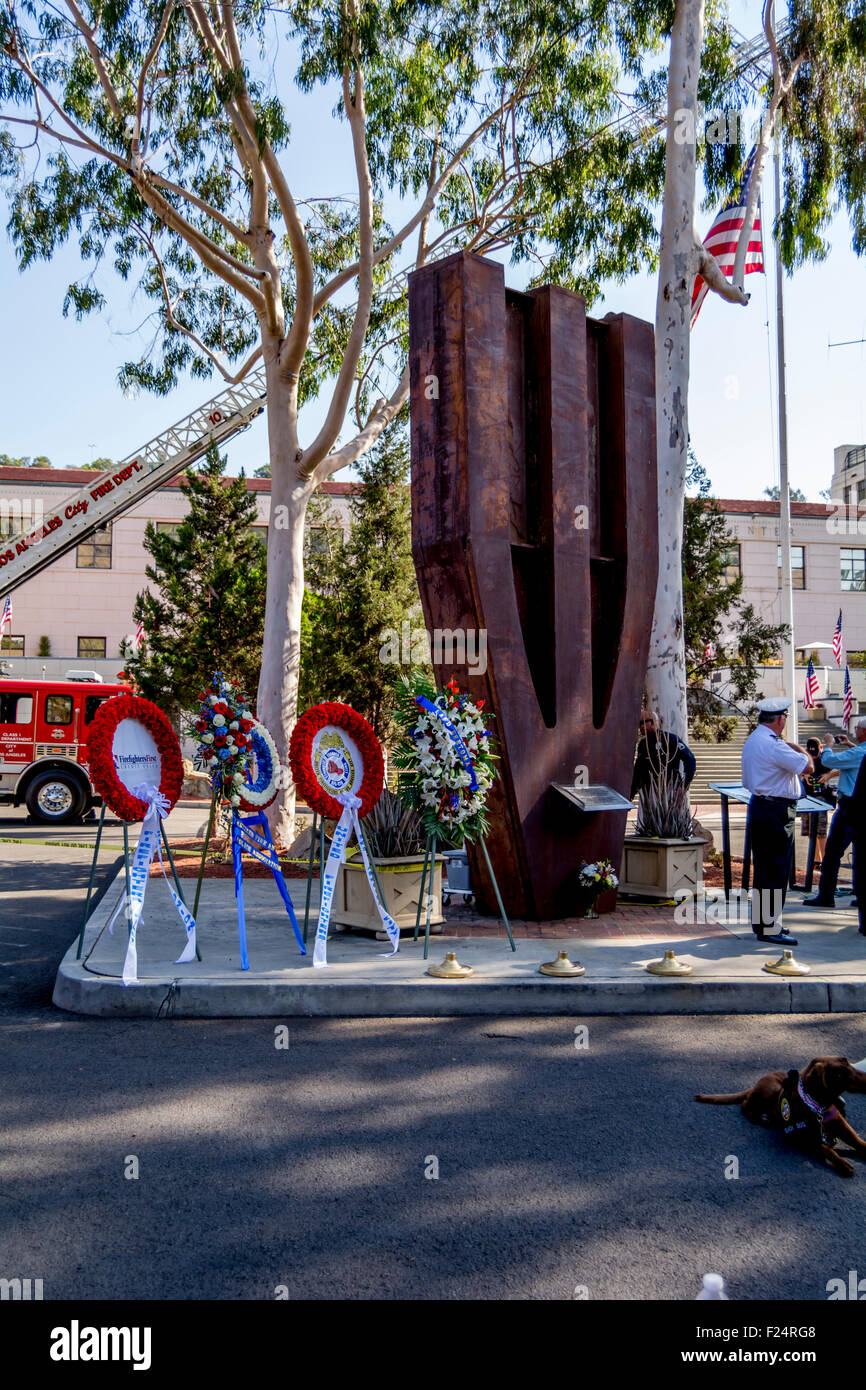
(860, 874)
(771, 822)
(840, 837)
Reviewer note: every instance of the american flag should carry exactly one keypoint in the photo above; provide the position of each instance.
(721, 239)
(848, 706)
(139, 635)
(837, 641)
(709, 651)
(6, 620)
(811, 687)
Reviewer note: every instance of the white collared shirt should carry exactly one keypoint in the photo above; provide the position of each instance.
(771, 766)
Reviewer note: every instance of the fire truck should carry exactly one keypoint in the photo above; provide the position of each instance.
(43, 743)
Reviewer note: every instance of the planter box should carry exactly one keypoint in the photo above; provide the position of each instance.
(401, 888)
(659, 868)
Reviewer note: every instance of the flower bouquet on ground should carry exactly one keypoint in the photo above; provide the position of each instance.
(595, 879)
(445, 758)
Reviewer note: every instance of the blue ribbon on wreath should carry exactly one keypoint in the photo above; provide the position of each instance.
(462, 751)
(252, 835)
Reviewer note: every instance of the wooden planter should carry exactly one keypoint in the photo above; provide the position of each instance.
(401, 888)
(659, 868)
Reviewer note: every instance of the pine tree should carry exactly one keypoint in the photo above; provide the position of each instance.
(361, 587)
(205, 611)
(714, 613)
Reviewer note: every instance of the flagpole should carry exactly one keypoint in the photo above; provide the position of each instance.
(786, 596)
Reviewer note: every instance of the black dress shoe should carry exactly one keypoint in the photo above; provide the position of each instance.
(819, 902)
(782, 938)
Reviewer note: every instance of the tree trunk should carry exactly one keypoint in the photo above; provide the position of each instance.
(277, 703)
(666, 669)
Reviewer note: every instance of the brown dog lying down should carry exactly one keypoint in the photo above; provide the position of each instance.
(806, 1106)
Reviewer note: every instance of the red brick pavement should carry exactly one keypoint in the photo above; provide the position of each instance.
(649, 921)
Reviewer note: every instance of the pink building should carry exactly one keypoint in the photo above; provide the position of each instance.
(83, 602)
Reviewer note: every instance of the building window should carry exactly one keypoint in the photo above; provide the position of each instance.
(95, 552)
(852, 569)
(861, 490)
(261, 534)
(798, 565)
(92, 648)
(168, 528)
(14, 646)
(731, 566)
(58, 709)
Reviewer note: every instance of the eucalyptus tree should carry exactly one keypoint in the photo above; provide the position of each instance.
(177, 141)
(814, 96)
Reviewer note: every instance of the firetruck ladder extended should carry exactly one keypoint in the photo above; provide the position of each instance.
(107, 495)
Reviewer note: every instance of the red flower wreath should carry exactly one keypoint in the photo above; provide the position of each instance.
(100, 740)
(301, 758)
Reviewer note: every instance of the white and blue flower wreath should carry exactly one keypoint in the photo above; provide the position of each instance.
(260, 791)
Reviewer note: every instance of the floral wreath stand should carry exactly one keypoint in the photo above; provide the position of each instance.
(430, 860)
(126, 803)
(449, 730)
(126, 862)
(251, 834)
(337, 766)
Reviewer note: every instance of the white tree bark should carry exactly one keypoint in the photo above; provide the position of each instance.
(277, 699)
(678, 264)
(681, 258)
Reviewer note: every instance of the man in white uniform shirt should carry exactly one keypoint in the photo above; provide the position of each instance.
(771, 772)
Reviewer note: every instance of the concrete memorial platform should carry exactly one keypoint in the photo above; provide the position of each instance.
(361, 981)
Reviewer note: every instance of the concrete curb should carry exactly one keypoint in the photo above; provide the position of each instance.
(79, 990)
(364, 983)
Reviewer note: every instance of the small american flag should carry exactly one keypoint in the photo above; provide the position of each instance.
(837, 641)
(848, 705)
(139, 635)
(6, 620)
(811, 687)
(721, 240)
(709, 651)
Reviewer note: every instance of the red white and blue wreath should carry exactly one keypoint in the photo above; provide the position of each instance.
(137, 769)
(337, 766)
(244, 768)
(262, 776)
(223, 728)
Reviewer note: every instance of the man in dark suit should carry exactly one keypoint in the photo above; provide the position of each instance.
(658, 752)
(857, 813)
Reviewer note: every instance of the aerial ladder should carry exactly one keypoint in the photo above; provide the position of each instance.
(107, 495)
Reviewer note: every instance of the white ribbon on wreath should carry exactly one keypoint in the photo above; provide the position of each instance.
(349, 821)
(149, 844)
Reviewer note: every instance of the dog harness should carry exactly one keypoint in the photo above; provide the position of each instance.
(802, 1118)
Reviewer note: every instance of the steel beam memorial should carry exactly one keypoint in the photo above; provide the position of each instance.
(534, 521)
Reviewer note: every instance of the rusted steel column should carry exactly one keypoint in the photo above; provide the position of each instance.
(534, 521)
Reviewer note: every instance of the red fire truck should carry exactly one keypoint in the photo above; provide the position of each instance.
(43, 744)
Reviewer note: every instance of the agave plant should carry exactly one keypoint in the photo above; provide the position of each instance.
(392, 830)
(663, 810)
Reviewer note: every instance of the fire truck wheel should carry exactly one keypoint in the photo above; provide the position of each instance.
(55, 797)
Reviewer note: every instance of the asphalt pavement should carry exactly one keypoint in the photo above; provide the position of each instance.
(397, 1158)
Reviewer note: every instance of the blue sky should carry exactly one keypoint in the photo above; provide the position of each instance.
(60, 395)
